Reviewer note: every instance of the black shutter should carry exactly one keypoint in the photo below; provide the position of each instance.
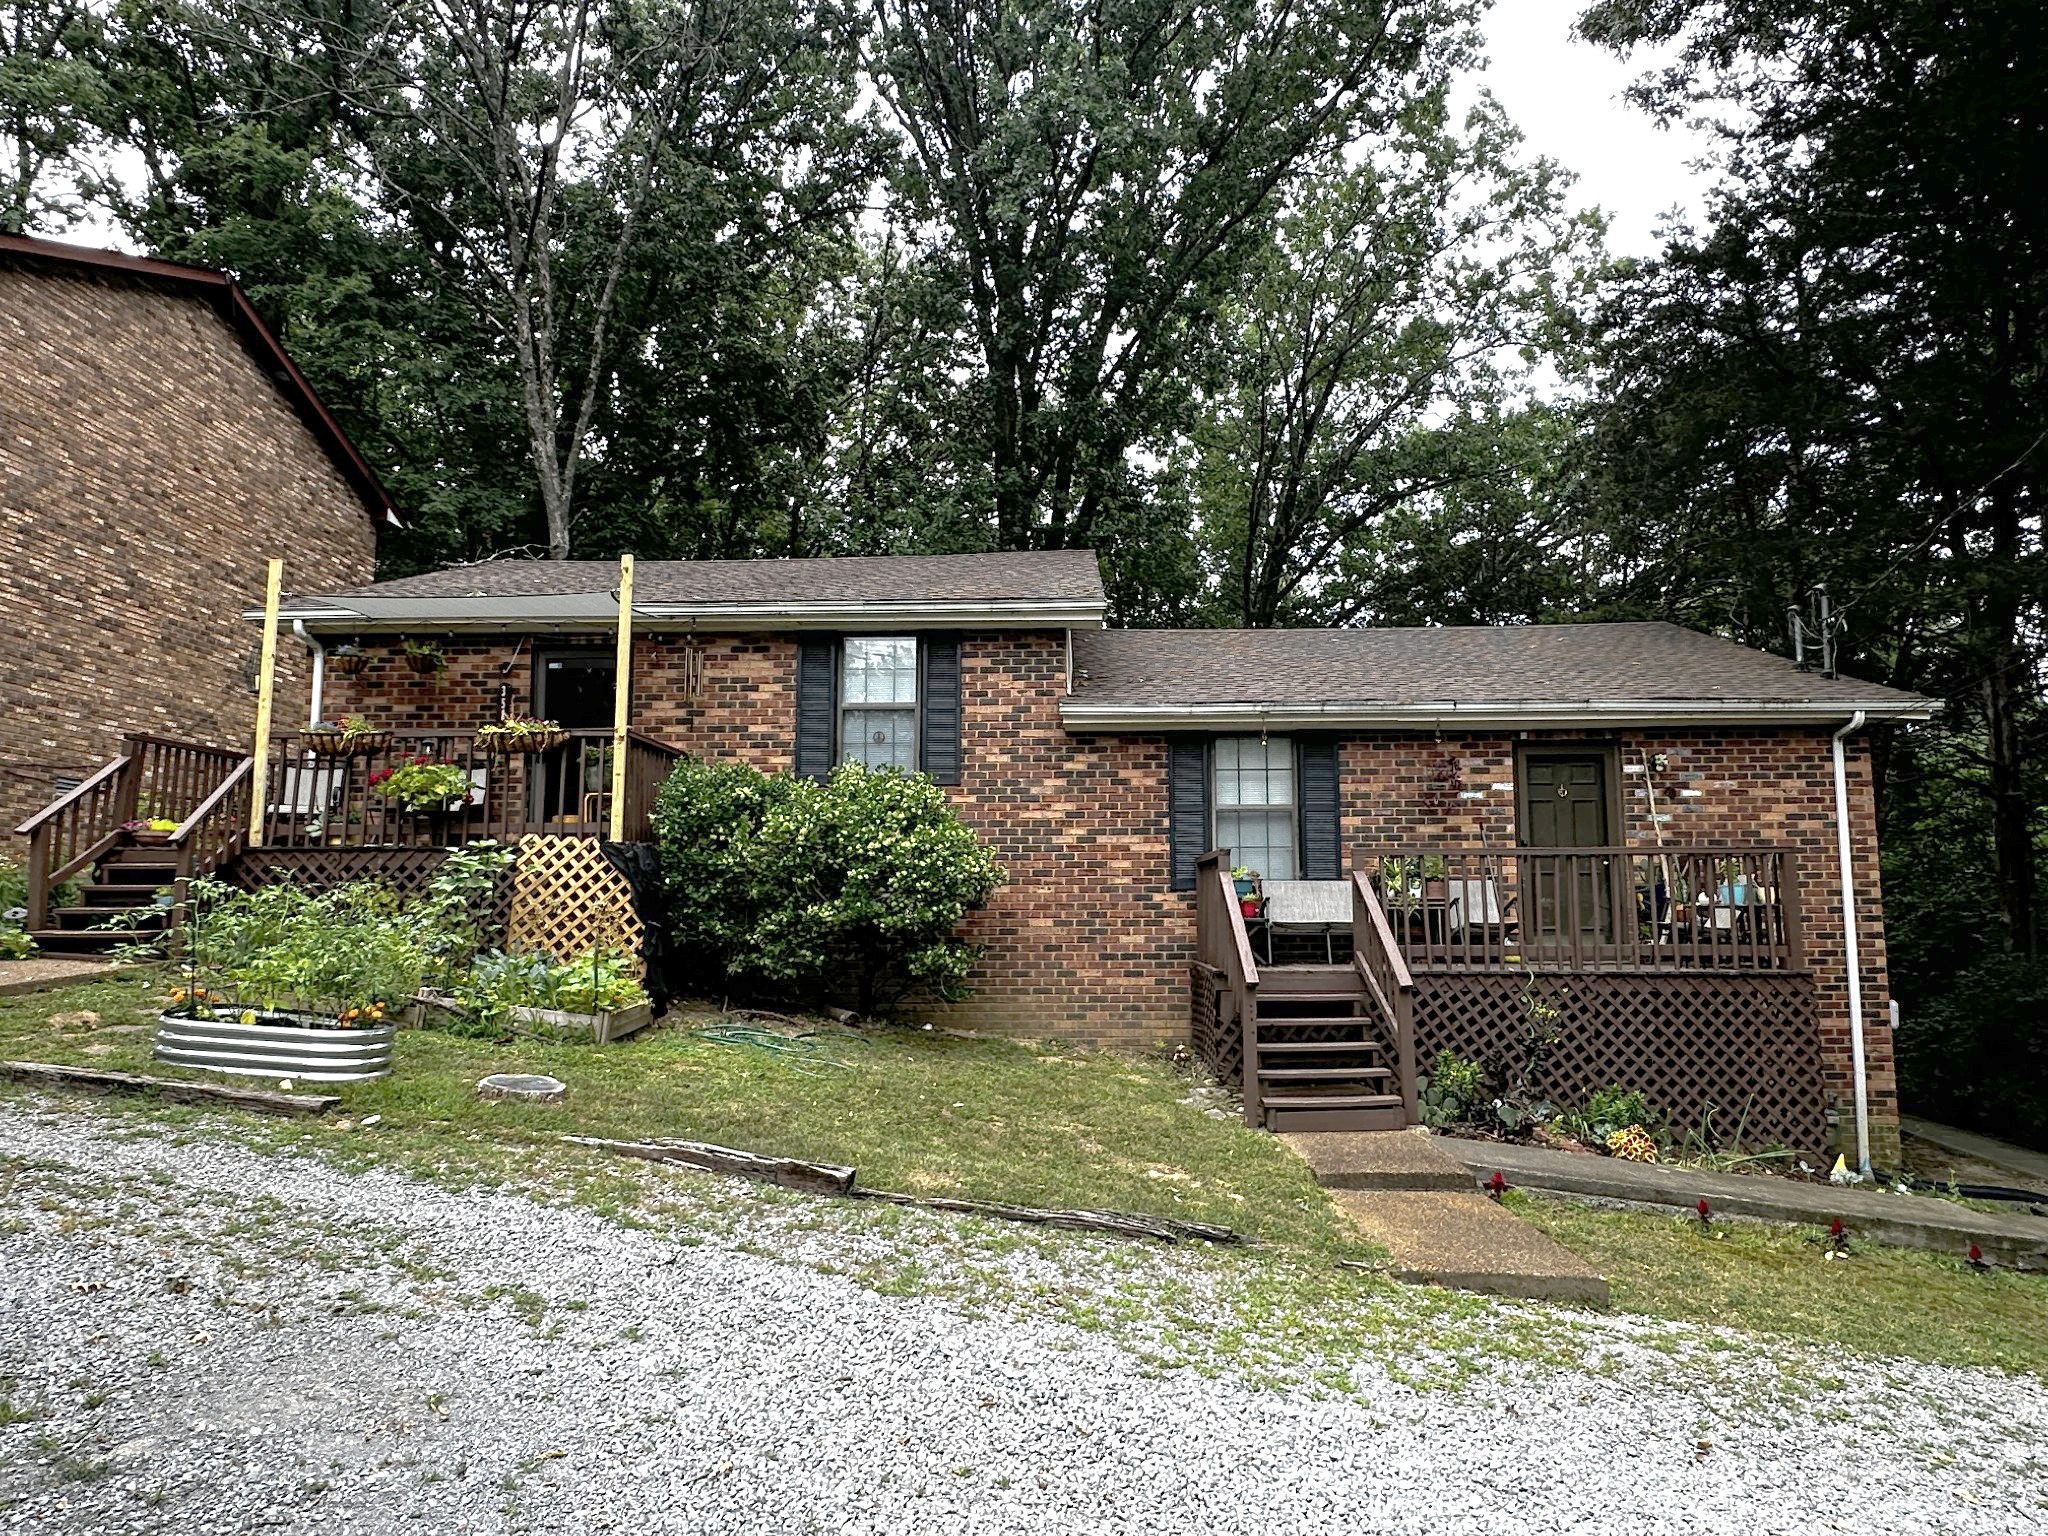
(1322, 836)
(817, 707)
(1187, 806)
(938, 726)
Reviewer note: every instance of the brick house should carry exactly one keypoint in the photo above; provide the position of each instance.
(1615, 847)
(156, 447)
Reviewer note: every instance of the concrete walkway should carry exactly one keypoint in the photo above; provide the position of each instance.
(39, 972)
(2031, 1166)
(1404, 1193)
(2013, 1238)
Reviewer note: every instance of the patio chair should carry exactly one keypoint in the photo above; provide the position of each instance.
(1314, 907)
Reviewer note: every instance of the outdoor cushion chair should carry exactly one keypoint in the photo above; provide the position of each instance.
(1320, 907)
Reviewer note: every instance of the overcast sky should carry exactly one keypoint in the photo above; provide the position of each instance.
(1566, 97)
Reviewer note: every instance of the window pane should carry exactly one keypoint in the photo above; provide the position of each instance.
(1261, 840)
(1254, 772)
(880, 738)
(879, 671)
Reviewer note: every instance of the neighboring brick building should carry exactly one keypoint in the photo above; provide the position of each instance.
(156, 447)
(1098, 762)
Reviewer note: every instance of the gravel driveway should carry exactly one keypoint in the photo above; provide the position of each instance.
(197, 1337)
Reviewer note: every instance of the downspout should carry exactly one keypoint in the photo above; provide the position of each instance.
(319, 668)
(1850, 944)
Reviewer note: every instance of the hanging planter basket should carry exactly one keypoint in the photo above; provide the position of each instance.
(338, 743)
(526, 743)
(347, 661)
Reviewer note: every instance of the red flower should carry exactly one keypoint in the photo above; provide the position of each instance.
(1497, 1185)
(1706, 1215)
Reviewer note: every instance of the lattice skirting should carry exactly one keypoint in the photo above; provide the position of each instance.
(568, 898)
(1218, 1040)
(405, 870)
(1744, 1048)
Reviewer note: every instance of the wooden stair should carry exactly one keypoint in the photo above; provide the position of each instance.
(124, 879)
(1321, 1062)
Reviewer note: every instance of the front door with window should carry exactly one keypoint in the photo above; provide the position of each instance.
(575, 689)
(1567, 803)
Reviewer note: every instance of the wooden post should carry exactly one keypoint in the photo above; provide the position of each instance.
(266, 688)
(622, 699)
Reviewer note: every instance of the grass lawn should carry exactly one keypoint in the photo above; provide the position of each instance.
(1053, 1125)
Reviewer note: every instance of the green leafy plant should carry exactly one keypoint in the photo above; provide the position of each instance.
(1451, 1092)
(425, 657)
(1607, 1111)
(851, 888)
(597, 981)
(422, 783)
(15, 944)
(517, 732)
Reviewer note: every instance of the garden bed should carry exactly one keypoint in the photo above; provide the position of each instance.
(280, 1045)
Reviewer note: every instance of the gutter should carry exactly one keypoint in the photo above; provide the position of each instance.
(1850, 943)
(1083, 716)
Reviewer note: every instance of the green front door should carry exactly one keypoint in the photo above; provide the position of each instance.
(1565, 804)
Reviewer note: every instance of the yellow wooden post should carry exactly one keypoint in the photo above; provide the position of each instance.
(622, 699)
(266, 690)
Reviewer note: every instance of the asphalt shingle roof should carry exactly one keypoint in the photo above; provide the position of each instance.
(1516, 664)
(1061, 575)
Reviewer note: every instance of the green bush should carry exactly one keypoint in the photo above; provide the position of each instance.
(1450, 1092)
(848, 889)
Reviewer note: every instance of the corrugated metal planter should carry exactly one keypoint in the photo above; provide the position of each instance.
(303, 1051)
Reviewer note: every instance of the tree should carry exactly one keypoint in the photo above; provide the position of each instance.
(1841, 380)
(1095, 179)
(51, 92)
(1378, 365)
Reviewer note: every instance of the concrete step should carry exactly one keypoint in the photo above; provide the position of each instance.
(1395, 1160)
(1465, 1240)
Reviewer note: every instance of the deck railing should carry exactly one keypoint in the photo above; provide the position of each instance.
(1377, 955)
(1591, 909)
(1224, 960)
(314, 799)
(154, 778)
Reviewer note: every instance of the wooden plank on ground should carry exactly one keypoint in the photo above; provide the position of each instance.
(831, 1179)
(262, 1101)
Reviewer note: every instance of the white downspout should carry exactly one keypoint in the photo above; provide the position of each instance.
(1850, 943)
(319, 668)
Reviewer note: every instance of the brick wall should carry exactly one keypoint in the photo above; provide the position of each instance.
(148, 468)
(1086, 940)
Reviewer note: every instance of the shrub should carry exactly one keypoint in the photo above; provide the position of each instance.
(851, 888)
(1450, 1092)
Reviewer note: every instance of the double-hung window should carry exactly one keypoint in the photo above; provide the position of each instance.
(1256, 803)
(878, 702)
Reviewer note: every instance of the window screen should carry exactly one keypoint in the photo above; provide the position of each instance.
(878, 703)
(1255, 804)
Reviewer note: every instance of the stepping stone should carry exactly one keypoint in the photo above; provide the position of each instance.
(521, 1085)
(1466, 1241)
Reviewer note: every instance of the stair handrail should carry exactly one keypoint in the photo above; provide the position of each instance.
(224, 817)
(1385, 973)
(73, 830)
(1223, 943)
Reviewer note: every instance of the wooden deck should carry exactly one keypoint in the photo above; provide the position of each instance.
(1678, 971)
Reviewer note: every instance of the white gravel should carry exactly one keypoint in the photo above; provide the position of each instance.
(197, 1337)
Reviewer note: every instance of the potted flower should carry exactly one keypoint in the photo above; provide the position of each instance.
(350, 737)
(521, 733)
(1244, 880)
(424, 784)
(150, 832)
(425, 657)
(346, 660)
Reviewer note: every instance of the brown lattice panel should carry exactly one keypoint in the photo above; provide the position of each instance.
(1745, 1047)
(1218, 1040)
(567, 899)
(403, 871)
